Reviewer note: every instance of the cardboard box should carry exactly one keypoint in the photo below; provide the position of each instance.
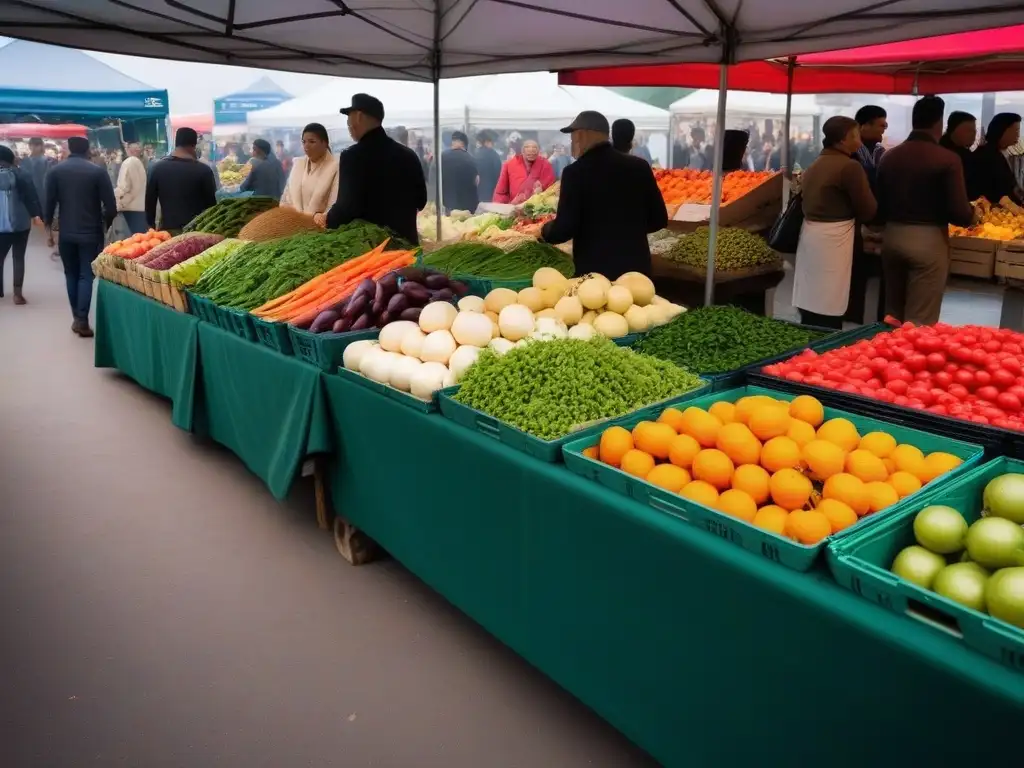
(1010, 260)
(761, 204)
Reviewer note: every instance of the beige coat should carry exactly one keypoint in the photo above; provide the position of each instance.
(312, 190)
(131, 185)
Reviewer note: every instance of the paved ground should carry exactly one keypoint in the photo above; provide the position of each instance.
(159, 609)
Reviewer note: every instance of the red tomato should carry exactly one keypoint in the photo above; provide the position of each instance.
(992, 346)
(988, 393)
(942, 379)
(959, 391)
(795, 376)
(897, 386)
(982, 378)
(916, 362)
(939, 409)
(901, 400)
(860, 373)
(936, 361)
(1017, 390)
(897, 373)
(1012, 347)
(885, 395)
(964, 378)
(1008, 402)
(1011, 364)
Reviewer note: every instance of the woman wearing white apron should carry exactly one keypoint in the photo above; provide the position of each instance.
(836, 200)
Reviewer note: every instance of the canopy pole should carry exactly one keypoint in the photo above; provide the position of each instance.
(671, 141)
(439, 209)
(787, 161)
(716, 185)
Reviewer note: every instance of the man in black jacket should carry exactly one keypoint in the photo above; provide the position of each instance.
(266, 176)
(459, 176)
(488, 165)
(379, 180)
(183, 186)
(85, 196)
(608, 204)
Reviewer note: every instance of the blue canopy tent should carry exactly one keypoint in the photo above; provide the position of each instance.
(263, 94)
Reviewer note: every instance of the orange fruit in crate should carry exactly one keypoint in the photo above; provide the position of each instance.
(904, 483)
(746, 406)
(683, 450)
(701, 426)
(637, 463)
(841, 432)
(752, 480)
(865, 465)
(593, 452)
(790, 489)
(848, 489)
(737, 503)
(654, 439)
(890, 465)
(807, 409)
(615, 443)
(738, 443)
(700, 492)
(800, 432)
(909, 458)
(839, 514)
(807, 526)
(673, 417)
(939, 463)
(823, 458)
(723, 411)
(781, 453)
(769, 421)
(771, 518)
(882, 444)
(668, 476)
(714, 467)
(880, 496)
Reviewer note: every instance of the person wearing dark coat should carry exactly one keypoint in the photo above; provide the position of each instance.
(623, 132)
(181, 184)
(459, 176)
(379, 180)
(734, 147)
(993, 178)
(608, 204)
(266, 175)
(961, 133)
(19, 209)
(488, 165)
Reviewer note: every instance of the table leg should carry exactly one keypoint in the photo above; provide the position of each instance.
(354, 545)
(1012, 316)
(319, 468)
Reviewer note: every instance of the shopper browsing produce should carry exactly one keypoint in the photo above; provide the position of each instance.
(266, 178)
(313, 182)
(180, 184)
(526, 174)
(992, 177)
(609, 203)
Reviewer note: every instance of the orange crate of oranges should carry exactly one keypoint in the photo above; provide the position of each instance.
(776, 474)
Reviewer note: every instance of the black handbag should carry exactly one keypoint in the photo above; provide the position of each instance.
(785, 233)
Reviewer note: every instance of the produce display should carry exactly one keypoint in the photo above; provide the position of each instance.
(232, 173)
(543, 202)
(680, 186)
(187, 273)
(1002, 222)
(137, 245)
(485, 261)
(281, 221)
(967, 372)
(979, 566)
(176, 250)
(734, 249)
(228, 216)
(775, 464)
(717, 339)
(259, 272)
(551, 388)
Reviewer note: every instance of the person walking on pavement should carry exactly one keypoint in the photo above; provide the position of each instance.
(182, 185)
(85, 196)
(131, 190)
(266, 177)
(19, 209)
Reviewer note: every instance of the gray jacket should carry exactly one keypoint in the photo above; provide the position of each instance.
(19, 203)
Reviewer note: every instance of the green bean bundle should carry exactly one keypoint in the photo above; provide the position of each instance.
(485, 261)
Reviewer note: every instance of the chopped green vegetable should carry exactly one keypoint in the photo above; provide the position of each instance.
(481, 260)
(734, 249)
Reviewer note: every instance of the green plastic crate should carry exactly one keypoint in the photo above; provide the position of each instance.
(202, 308)
(861, 564)
(545, 450)
(481, 286)
(799, 557)
(272, 335)
(388, 391)
(325, 350)
(238, 322)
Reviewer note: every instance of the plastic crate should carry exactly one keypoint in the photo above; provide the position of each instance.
(545, 450)
(861, 564)
(388, 391)
(799, 557)
(202, 308)
(325, 350)
(238, 322)
(480, 286)
(272, 335)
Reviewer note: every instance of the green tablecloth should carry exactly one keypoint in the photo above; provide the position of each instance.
(151, 343)
(267, 408)
(699, 651)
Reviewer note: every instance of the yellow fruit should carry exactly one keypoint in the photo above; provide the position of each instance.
(880, 496)
(683, 450)
(939, 463)
(890, 465)
(808, 526)
(668, 476)
(807, 409)
(790, 489)
(904, 483)
(909, 458)
(673, 417)
(637, 463)
(865, 465)
(769, 421)
(746, 406)
(781, 453)
(824, 458)
(616, 442)
(771, 518)
(714, 467)
(723, 411)
(701, 492)
(879, 443)
(593, 452)
(655, 439)
(738, 443)
(848, 489)
(839, 514)
(752, 480)
(701, 426)
(800, 432)
(841, 432)
(737, 504)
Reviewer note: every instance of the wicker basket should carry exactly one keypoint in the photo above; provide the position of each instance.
(277, 222)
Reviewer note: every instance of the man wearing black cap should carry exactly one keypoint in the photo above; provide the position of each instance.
(608, 204)
(266, 176)
(379, 180)
(85, 196)
(459, 176)
(182, 185)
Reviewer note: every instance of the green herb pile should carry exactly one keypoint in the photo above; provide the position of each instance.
(486, 261)
(258, 272)
(721, 339)
(735, 249)
(550, 388)
(228, 216)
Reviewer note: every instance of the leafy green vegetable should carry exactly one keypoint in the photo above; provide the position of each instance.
(721, 339)
(187, 273)
(734, 249)
(481, 260)
(549, 388)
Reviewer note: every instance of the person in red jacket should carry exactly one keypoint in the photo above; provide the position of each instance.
(524, 175)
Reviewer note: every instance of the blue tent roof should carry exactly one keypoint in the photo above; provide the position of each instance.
(49, 81)
(262, 94)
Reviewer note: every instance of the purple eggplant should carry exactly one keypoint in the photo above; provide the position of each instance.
(397, 303)
(459, 288)
(385, 318)
(436, 281)
(341, 325)
(362, 322)
(357, 306)
(444, 294)
(366, 288)
(340, 306)
(390, 283)
(415, 292)
(324, 321)
(413, 274)
(412, 313)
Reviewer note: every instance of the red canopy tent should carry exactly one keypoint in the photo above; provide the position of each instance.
(967, 62)
(42, 130)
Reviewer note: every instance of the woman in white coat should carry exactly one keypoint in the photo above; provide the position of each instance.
(313, 183)
(837, 199)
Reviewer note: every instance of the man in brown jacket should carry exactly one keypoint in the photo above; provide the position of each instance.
(921, 191)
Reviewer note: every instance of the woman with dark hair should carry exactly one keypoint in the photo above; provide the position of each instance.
(961, 133)
(734, 147)
(836, 197)
(993, 178)
(313, 183)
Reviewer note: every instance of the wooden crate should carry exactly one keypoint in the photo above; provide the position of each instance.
(972, 256)
(756, 210)
(1010, 260)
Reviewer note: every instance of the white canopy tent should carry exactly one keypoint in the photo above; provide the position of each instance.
(744, 104)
